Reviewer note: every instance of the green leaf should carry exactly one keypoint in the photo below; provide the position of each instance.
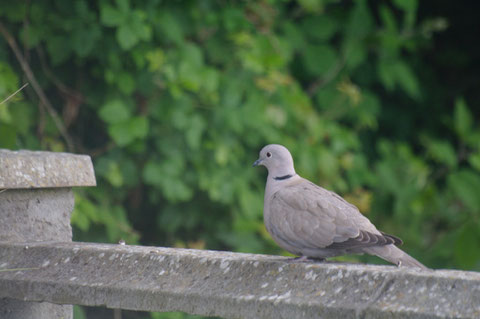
(8, 136)
(328, 164)
(359, 26)
(126, 36)
(355, 53)
(312, 5)
(114, 111)
(111, 16)
(367, 110)
(233, 19)
(5, 115)
(319, 59)
(385, 72)
(24, 117)
(462, 119)
(407, 79)
(79, 220)
(170, 27)
(194, 131)
(78, 312)
(156, 59)
(388, 19)
(407, 5)
(125, 82)
(191, 54)
(138, 126)
(360, 21)
(466, 251)
(166, 176)
(153, 173)
(211, 79)
(57, 49)
(8, 82)
(294, 35)
(465, 185)
(474, 160)
(120, 134)
(320, 27)
(84, 40)
(110, 169)
(31, 37)
(141, 29)
(410, 7)
(124, 133)
(84, 213)
(15, 11)
(442, 152)
(129, 170)
(114, 175)
(123, 5)
(397, 72)
(189, 76)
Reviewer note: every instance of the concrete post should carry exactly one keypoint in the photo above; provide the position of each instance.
(36, 201)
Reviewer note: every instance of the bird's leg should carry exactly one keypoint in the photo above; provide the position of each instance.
(305, 259)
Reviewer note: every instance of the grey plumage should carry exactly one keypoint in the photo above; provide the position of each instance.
(308, 220)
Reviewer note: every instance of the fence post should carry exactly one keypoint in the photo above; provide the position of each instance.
(36, 201)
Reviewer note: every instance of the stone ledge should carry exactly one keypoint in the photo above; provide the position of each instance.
(228, 284)
(28, 169)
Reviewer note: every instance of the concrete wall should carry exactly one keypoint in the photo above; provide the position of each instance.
(230, 285)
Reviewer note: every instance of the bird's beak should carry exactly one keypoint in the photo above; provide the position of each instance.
(257, 162)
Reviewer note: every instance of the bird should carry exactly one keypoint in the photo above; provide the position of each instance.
(314, 223)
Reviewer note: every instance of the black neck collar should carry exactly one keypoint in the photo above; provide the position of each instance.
(281, 178)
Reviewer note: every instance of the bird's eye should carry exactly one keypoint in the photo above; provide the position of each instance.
(269, 154)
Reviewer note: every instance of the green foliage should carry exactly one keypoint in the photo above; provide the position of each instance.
(174, 100)
(78, 313)
(462, 120)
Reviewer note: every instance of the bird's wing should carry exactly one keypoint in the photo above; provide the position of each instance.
(309, 216)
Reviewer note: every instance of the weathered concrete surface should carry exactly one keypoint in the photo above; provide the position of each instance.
(15, 309)
(229, 284)
(27, 169)
(36, 214)
(36, 201)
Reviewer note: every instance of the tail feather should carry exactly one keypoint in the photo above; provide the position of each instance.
(395, 255)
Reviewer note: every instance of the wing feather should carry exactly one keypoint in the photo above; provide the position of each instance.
(308, 216)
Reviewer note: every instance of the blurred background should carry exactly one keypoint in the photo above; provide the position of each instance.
(377, 100)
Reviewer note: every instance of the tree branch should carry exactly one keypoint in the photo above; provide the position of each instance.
(14, 93)
(36, 87)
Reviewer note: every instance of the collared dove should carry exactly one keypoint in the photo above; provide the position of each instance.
(310, 221)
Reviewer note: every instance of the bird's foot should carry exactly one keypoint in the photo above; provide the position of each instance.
(305, 259)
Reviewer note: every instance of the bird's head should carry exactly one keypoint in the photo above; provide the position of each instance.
(277, 159)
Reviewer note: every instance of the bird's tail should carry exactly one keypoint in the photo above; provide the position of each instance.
(395, 255)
